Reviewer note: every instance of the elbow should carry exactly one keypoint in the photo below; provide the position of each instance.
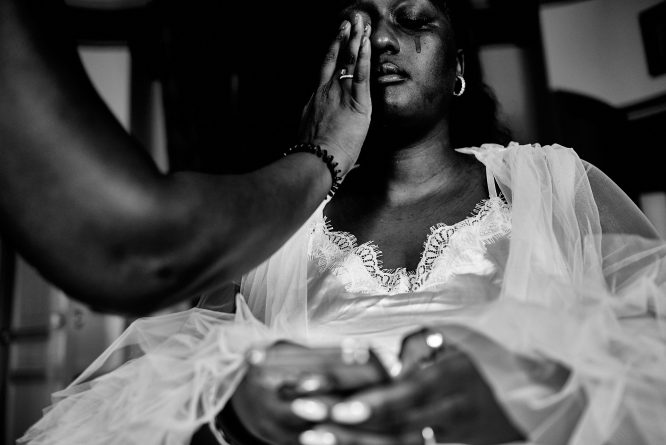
(136, 287)
(143, 258)
(146, 284)
(143, 251)
(124, 287)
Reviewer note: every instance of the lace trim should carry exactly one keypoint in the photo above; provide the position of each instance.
(339, 251)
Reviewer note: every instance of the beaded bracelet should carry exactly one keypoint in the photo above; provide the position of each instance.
(328, 160)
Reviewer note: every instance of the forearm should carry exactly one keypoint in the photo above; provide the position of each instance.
(251, 217)
(85, 204)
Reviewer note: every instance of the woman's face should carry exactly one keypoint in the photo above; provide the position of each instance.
(414, 58)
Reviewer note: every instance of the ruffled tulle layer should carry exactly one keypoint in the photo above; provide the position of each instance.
(569, 329)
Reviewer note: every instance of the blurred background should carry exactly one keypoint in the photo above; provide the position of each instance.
(218, 87)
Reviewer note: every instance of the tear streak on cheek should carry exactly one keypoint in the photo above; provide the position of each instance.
(417, 44)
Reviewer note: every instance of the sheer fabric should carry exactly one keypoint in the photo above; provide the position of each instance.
(449, 250)
(559, 297)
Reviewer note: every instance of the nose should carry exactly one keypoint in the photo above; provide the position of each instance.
(384, 39)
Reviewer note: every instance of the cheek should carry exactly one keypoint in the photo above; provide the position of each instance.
(434, 74)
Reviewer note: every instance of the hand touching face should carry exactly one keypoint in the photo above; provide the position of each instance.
(414, 59)
(337, 116)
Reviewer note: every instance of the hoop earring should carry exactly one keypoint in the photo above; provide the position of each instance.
(463, 85)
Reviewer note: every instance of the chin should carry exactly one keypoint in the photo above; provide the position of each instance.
(394, 112)
(395, 102)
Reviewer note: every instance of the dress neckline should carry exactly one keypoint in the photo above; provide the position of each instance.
(369, 253)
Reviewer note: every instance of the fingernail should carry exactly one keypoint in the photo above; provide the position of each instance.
(309, 409)
(311, 383)
(395, 370)
(317, 437)
(256, 356)
(354, 352)
(357, 17)
(428, 436)
(343, 30)
(350, 413)
(366, 29)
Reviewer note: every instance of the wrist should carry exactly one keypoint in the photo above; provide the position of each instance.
(328, 159)
(344, 160)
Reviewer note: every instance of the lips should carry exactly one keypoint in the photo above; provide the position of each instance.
(387, 73)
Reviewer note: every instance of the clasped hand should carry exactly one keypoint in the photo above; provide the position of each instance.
(320, 396)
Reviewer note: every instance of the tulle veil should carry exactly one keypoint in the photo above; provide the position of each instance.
(573, 345)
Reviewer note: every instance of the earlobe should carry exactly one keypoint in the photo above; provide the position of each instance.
(460, 62)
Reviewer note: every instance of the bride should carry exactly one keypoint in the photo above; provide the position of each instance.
(487, 294)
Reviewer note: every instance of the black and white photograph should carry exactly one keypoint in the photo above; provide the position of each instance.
(332, 222)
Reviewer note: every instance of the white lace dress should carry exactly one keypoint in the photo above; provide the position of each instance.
(555, 270)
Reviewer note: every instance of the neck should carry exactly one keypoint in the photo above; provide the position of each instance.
(404, 170)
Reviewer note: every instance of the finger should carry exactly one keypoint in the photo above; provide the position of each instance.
(254, 391)
(445, 415)
(413, 350)
(302, 371)
(385, 406)
(264, 369)
(313, 409)
(338, 379)
(337, 435)
(350, 56)
(460, 418)
(306, 359)
(361, 83)
(330, 65)
(367, 371)
(265, 417)
(422, 348)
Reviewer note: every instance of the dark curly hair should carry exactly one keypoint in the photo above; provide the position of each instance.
(475, 114)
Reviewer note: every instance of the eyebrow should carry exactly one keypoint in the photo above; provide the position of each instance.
(364, 5)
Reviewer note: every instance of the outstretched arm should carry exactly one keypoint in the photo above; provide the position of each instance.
(84, 203)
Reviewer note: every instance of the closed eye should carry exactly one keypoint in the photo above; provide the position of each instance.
(415, 18)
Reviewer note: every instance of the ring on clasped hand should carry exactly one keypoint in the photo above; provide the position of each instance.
(344, 75)
(435, 344)
(434, 340)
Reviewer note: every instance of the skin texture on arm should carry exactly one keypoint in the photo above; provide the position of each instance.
(82, 201)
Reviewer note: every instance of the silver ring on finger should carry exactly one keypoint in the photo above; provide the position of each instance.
(436, 345)
(435, 341)
(343, 74)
